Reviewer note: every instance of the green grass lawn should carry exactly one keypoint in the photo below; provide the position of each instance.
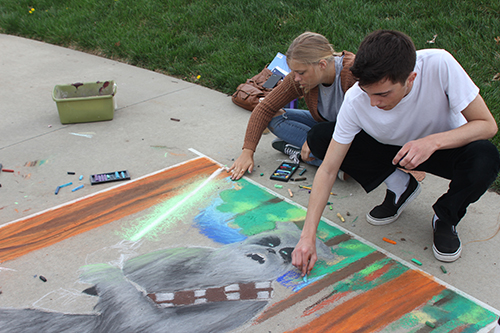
(225, 42)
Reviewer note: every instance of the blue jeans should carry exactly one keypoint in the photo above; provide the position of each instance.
(292, 127)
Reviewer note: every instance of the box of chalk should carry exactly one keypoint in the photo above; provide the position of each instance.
(101, 178)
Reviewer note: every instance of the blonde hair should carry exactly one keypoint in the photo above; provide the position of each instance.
(310, 48)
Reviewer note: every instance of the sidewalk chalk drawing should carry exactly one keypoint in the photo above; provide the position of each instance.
(188, 250)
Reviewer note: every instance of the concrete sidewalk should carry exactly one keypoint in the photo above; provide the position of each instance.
(142, 139)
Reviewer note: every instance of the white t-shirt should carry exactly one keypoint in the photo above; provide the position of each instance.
(441, 91)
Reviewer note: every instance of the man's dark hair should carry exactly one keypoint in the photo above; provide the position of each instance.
(384, 54)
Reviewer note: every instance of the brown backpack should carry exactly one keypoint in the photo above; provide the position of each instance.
(248, 94)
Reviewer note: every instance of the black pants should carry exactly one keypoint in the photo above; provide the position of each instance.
(471, 168)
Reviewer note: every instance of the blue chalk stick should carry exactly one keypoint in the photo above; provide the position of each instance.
(77, 188)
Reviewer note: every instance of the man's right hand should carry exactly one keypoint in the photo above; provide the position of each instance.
(242, 164)
(304, 255)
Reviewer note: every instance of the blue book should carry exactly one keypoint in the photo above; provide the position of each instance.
(279, 62)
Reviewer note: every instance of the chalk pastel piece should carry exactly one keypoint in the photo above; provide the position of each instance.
(117, 175)
(306, 187)
(331, 207)
(67, 184)
(123, 174)
(340, 217)
(302, 172)
(428, 323)
(305, 278)
(43, 278)
(261, 174)
(77, 188)
(290, 192)
(278, 186)
(416, 262)
(57, 190)
(299, 179)
(108, 176)
(81, 177)
(389, 240)
(443, 269)
(7, 170)
(71, 173)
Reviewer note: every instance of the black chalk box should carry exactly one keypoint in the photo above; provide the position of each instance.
(284, 171)
(108, 177)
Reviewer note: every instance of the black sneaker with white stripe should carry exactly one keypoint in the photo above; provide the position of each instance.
(292, 151)
(390, 210)
(446, 244)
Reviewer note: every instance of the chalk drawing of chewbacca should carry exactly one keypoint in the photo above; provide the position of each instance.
(191, 289)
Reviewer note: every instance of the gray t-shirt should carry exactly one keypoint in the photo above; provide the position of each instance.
(330, 97)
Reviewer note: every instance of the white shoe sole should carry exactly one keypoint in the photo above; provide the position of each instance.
(446, 257)
(342, 176)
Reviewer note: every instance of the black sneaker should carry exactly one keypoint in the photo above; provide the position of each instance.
(446, 244)
(389, 210)
(292, 151)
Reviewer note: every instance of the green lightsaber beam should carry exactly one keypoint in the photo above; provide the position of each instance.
(162, 217)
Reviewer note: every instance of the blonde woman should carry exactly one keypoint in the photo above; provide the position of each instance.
(321, 76)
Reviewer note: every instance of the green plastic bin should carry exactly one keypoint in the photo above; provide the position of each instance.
(85, 102)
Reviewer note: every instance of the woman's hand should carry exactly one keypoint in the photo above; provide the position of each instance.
(242, 164)
(305, 153)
